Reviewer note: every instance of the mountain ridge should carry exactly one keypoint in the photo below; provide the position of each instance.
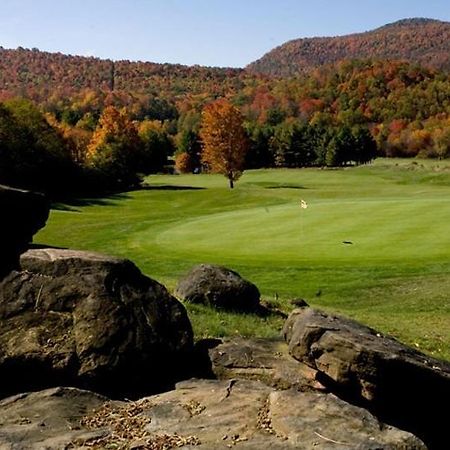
(416, 40)
(53, 78)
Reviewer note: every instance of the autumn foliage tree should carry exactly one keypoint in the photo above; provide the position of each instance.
(183, 163)
(224, 140)
(115, 149)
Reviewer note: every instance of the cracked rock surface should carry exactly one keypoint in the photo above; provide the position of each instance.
(209, 414)
(266, 360)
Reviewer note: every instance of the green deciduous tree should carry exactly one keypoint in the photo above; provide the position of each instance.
(157, 146)
(33, 154)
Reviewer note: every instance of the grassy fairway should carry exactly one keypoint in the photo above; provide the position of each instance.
(393, 273)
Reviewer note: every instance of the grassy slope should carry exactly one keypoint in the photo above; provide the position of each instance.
(394, 276)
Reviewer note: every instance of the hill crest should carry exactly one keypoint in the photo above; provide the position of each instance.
(416, 40)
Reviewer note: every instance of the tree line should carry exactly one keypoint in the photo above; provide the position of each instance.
(405, 106)
(38, 152)
(100, 139)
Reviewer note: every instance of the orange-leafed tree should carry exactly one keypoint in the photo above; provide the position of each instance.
(224, 142)
(183, 163)
(115, 148)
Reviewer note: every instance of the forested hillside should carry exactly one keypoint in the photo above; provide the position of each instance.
(422, 41)
(89, 122)
(56, 80)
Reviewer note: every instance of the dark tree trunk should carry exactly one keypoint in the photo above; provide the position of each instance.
(231, 183)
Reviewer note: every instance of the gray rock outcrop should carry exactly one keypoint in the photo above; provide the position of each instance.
(397, 383)
(88, 320)
(23, 213)
(204, 414)
(218, 287)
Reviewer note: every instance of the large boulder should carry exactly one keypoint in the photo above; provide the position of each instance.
(203, 414)
(219, 287)
(23, 213)
(88, 320)
(398, 383)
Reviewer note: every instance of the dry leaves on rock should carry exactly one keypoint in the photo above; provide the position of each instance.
(126, 426)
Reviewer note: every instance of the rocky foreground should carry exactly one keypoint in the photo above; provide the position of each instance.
(93, 354)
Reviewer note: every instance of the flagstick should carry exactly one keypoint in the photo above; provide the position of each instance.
(301, 224)
(303, 205)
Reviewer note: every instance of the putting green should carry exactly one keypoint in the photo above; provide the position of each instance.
(357, 231)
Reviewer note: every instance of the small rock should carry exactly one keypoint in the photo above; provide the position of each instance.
(265, 360)
(218, 287)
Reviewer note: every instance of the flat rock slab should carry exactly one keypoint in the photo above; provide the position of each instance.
(265, 360)
(398, 383)
(47, 419)
(205, 414)
(253, 416)
(314, 420)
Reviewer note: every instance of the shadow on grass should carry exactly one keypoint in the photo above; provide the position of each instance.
(285, 186)
(269, 185)
(170, 187)
(264, 309)
(73, 203)
(267, 309)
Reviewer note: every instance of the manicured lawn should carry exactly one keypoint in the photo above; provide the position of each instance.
(373, 244)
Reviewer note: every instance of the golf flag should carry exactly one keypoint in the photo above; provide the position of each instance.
(303, 204)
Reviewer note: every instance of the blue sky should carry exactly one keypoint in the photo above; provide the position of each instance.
(207, 32)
